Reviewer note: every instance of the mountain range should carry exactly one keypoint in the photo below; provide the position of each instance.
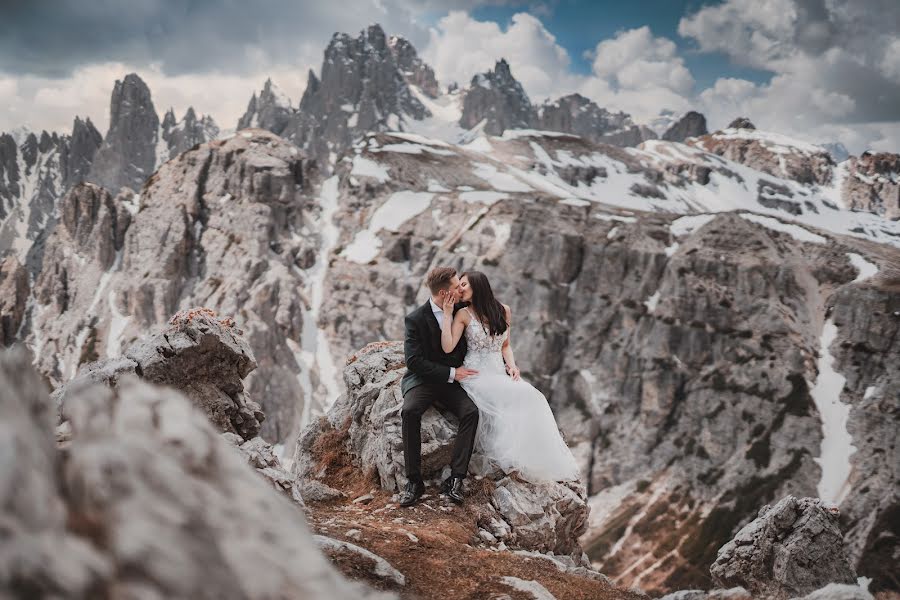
(713, 316)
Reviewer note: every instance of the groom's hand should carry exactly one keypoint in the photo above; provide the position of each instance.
(462, 373)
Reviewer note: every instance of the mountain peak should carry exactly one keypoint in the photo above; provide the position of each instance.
(128, 154)
(499, 100)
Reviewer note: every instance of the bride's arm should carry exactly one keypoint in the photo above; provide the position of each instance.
(507, 348)
(452, 328)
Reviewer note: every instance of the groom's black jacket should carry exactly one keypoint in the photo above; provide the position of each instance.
(426, 361)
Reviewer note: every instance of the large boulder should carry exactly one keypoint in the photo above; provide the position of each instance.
(366, 422)
(146, 500)
(204, 356)
(792, 548)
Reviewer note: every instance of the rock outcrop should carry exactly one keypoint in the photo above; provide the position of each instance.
(415, 71)
(692, 124)
(496, 99)
(144, 500)
(270, 110)
(774, 154)
(179, 136)
(580, 116)
(228, 225)
(199, 354)
(14, 288)
(128, 154)
(545, 518)
(362, 88)
(33, 176)
(792, 548)
(872, 183)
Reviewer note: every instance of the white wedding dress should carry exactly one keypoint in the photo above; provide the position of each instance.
(516, 428)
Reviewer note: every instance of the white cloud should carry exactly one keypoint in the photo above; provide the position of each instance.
(640, 74)
(635, 71)
(835, 71)
(41, 103)
(460, 46)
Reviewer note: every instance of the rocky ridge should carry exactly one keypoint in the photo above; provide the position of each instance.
(243, 242)
(36, 173)
(724, 292)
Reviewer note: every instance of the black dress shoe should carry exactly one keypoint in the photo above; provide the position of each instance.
(453, 488)
(412, 493)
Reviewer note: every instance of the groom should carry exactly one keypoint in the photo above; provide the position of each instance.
(432, 378)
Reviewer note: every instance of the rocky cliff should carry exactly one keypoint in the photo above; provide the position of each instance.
(681, 353)
(229, 224)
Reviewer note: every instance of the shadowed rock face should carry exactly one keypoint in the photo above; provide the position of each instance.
(226, 225)
(794, 547)
(414, 69)
(362, 88)
(185, 134)
(496, 98)
(14, 290)
(546, 517)
(580, 116)
(692, 124)
(872, 183)
(128, 154)
(270, 110)
(149, 499)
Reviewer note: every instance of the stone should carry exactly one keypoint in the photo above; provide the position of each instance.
(14, 292)
(692, 124)
(365, 421)
(379, 566)
(207, 358)
(792, 548)
(149, 501)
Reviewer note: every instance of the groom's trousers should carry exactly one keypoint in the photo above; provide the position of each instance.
(445, 397)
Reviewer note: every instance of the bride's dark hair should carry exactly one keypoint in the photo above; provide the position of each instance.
(487, 308)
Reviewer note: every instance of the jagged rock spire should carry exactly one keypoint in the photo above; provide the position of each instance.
(498, 99)
(128, 154)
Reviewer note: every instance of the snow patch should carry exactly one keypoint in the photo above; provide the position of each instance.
(504, 182)
(795, 231)
(364, 167)
(687, 225)
(398, 209)
(652, 301)
(865, 268)
(837, 444)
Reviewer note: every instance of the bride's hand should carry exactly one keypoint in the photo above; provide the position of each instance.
(514, 373)
(449, 303)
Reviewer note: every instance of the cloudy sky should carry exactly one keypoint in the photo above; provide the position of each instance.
(822, 70)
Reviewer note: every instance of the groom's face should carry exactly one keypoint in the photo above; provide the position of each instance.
(452, 291)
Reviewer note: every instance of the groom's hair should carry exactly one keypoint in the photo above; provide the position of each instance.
(439, 279)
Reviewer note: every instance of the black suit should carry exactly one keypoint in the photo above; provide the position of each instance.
(425, 384)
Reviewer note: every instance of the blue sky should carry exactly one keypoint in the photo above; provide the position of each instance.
(579, 25)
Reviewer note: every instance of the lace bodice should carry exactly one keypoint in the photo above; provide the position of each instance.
(478, 340)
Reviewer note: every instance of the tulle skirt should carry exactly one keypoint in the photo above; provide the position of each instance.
(516, 428)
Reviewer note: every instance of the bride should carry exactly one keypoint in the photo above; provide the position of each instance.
(517, 429)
